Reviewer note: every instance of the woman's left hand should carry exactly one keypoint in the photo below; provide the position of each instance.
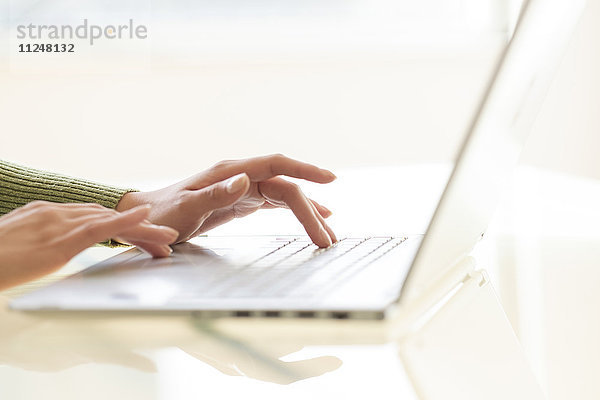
(234, 189)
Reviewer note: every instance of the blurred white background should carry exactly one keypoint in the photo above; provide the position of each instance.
(339, 83)
(343, 84)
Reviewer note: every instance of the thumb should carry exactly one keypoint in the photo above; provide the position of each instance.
(224, 193)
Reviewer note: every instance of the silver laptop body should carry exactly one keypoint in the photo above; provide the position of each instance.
(360, 278)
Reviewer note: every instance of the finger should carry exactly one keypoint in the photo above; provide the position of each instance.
(73, 217)
(145, 231)
(323, 211)
(98, 230)
(78, 217)
(154, 249)
(154, 239)
(282, 192)
(73, 211)
(149, 233)
(221, 194)
(263, 168)
(324, 223)
(67, 210)
(78, 206)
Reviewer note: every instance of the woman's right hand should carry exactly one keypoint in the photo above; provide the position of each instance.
(41, 237)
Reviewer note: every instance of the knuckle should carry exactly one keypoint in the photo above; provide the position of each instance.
(88, 227)
(94, 232)
(277, 157)
(181, 199)
(293, 188)
(212, 193)
(45, 235)
(46, 211)
(91, 231)
(36, 204)
(221, 165)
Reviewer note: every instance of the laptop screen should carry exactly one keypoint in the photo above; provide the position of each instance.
(494, 140)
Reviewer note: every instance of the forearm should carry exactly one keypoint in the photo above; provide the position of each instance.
(21, 185)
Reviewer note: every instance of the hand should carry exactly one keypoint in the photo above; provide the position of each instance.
(234, 189)
(40, 237)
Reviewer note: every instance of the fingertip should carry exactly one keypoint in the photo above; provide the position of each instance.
(334, 238)
(324, 238)
(162, 252)
(330, 176)
(330, 232)
(168, 250)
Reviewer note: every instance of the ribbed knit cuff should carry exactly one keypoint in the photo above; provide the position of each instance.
(20, 185)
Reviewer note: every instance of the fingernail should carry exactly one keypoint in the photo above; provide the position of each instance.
(236, 183)
(169, 249)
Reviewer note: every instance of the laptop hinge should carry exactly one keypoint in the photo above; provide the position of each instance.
(443, 288)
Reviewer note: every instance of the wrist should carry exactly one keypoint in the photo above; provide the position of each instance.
(128, 200)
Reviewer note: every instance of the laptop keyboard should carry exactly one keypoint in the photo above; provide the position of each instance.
(295, 267)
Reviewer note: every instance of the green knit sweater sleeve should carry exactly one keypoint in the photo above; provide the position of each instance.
(20, 185)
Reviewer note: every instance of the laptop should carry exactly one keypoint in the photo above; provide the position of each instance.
(358, 277)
